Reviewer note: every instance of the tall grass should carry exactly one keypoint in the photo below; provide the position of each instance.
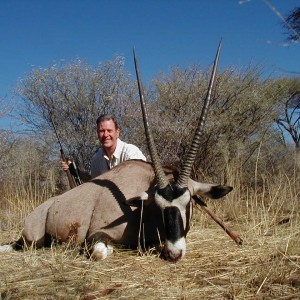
(267, 266)
(24, 191)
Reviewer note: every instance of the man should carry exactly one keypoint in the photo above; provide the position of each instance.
(113, 150)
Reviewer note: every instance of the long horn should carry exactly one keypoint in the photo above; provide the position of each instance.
(159, 173)
(194, 148)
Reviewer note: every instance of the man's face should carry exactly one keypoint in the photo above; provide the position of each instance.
(108, 134)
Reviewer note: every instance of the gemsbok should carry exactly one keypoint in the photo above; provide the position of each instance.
(135, 203)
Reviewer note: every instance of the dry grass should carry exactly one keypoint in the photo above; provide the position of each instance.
(267, 266)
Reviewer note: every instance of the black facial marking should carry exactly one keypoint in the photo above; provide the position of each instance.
(171, 192)
(173, 224)
(188, 213)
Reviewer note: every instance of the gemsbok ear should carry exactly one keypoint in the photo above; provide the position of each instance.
(212, 191)
(219, 191)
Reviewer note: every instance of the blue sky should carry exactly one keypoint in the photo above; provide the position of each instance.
(38, 33)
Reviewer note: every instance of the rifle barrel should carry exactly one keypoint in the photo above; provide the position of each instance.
(71, 179)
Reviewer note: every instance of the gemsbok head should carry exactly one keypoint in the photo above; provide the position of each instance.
(174, 199)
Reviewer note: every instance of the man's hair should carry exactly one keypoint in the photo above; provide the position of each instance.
(107, 118)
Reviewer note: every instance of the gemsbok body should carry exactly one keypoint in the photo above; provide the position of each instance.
(135, 203)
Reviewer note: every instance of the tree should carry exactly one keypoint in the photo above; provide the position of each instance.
(241, 115)
(6, 139)
(75, 95)
(289, 119)
(292, 25)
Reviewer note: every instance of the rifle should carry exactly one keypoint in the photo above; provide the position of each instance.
(72, 172)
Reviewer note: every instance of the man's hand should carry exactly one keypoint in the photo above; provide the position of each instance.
(65, 165)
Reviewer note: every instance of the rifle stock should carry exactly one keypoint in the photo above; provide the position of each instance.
(75, 174)
(68, 172)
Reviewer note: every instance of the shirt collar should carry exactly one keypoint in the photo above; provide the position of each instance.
(118, 151)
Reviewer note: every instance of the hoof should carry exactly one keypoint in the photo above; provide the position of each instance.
(6, 248)
(101, 251)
